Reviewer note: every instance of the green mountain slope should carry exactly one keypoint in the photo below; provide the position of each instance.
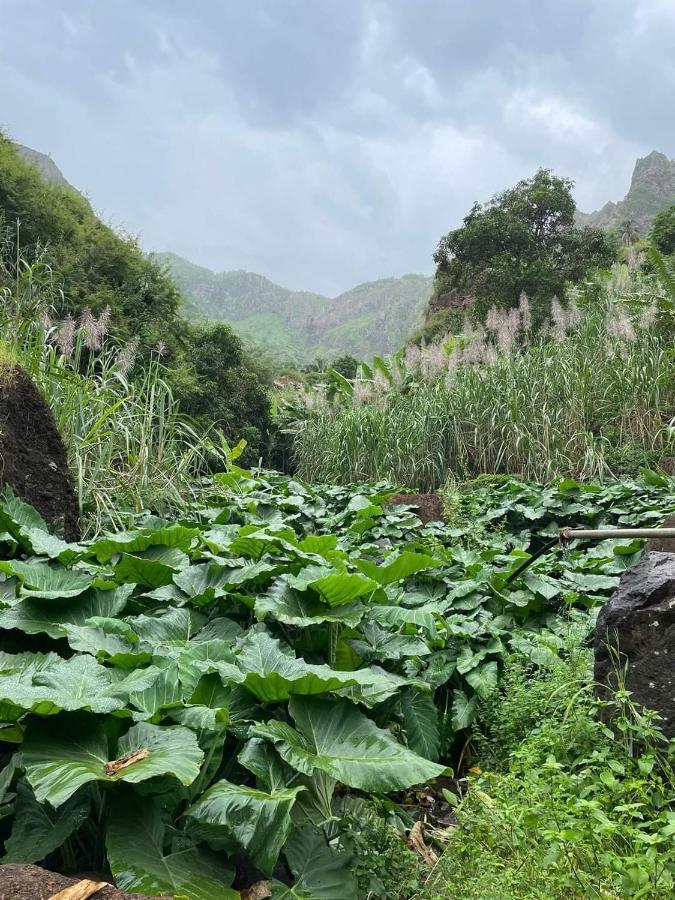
(297, 326)
(652, 189)
(44, 164)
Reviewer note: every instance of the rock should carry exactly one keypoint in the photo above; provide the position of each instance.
(429, 507)
(32, 455)
(652, 189)
(639, 619)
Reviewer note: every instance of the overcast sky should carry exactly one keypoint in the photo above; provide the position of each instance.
(328, 142)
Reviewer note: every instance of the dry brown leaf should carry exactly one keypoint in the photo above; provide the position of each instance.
(112, 768)
(258, 891)
(80, 891)
(415, 841)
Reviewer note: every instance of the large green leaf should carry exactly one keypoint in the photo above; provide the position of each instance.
(283, 604)
(405, 564)
(260, 822)
(338, 739)
(484, 678)
(105, 548)
(420, 718)
(172, 626)
(50, 582)
(136, 844)
(155, 568)
(38, 829)
(79, 683)
(62, 755)
(37, 616)
(273, 673)
(321, 872)
(110, 639)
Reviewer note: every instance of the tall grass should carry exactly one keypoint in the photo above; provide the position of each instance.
(561, 406)
(128, 446)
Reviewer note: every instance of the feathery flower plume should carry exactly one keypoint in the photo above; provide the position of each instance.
(618, 324)
(559, 321)
(127, 356)
(89, 326)
(647, 317)
(103, 323)
(525, 312)
(65, 336)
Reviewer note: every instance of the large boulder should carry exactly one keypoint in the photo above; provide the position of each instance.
(32, 455)
(639, 622)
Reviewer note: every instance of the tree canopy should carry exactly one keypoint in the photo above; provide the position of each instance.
(524, 239)
(663, 231)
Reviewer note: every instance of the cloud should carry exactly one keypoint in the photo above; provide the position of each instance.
(326, 144)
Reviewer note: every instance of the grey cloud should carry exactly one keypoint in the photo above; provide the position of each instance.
(328, 143)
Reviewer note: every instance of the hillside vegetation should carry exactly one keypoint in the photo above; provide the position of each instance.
(85, 268)
(297, 326)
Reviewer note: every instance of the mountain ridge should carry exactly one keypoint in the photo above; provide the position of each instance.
(369, 319)
(652, 188)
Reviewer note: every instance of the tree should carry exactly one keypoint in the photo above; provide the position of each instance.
(346, 365)
(219, 385)
(524, 239)
(663, 231)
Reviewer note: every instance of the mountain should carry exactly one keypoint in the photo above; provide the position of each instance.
(44, 164)
(652, 189)
(298, 326)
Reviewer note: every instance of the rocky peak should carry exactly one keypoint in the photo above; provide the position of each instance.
(652, 189)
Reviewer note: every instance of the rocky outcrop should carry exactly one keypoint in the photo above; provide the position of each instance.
(32, 455)
(652, 189)
(639, 621)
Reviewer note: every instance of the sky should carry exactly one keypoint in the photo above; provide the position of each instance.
(324, 143)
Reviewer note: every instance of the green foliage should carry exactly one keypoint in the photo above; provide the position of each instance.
(64, 261)
(98, 268)
(158, 705)
(564, 405)
(662, 233)
(162, 720)
(572, 809)
(522, 240)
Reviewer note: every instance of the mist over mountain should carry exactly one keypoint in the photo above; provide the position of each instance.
(297, 326)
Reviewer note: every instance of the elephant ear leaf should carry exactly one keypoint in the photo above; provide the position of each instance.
(136, 841)
(60, 756)
(259, 822)
(420, 718)
(338, 739)
(38, 829)
(402, 566)
(321, 873)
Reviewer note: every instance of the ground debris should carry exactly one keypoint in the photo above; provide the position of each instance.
(415, 840)
(112, 768)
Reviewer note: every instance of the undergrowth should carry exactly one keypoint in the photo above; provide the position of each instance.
(568, 807)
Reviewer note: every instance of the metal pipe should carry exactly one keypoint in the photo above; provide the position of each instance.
(570, 534)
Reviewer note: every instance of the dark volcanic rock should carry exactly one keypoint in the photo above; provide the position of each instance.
(32, 456)
(639, 619)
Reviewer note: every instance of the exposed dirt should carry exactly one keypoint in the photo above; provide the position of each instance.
(34, 883)
(663, 545)
(32, 455)
(429, 506)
